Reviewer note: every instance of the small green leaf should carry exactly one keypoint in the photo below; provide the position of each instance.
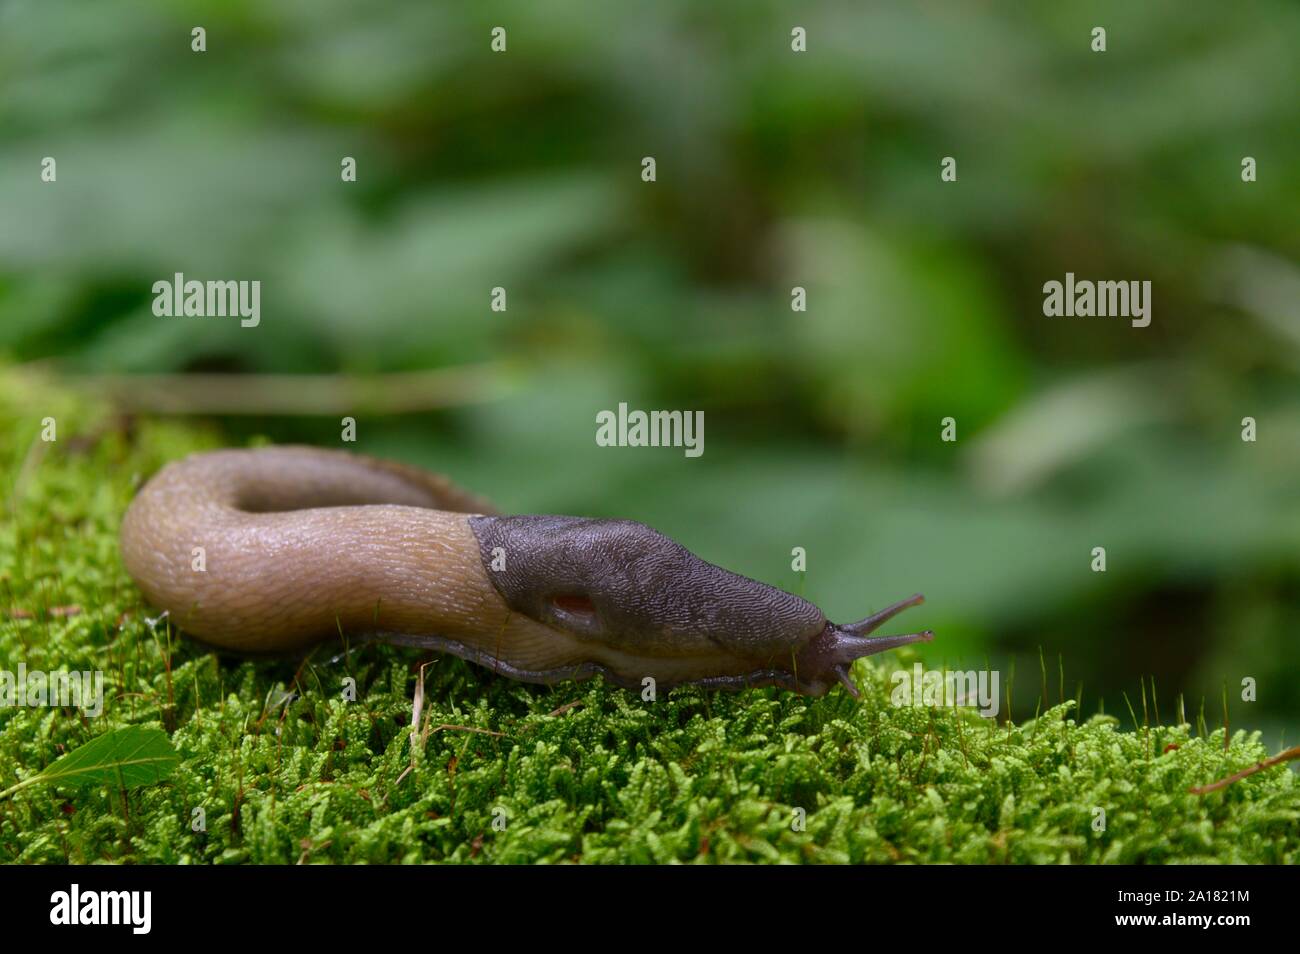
(128, 757)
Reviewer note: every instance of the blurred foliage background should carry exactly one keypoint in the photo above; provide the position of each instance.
(775, 169)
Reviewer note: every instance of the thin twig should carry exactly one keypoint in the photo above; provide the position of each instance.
(58, 612)
(566, 707)
(1278, 759)
(393, 393)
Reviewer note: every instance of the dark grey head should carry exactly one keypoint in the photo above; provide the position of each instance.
(624, 585)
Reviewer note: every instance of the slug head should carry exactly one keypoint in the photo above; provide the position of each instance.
(622, 585)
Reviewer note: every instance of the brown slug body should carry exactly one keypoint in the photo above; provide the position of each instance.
(277, 548)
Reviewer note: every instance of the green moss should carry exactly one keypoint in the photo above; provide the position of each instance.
(285, 769)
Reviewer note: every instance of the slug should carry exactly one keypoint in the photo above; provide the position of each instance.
(271, 550)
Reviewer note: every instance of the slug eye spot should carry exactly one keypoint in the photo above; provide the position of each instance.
(576, 612)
